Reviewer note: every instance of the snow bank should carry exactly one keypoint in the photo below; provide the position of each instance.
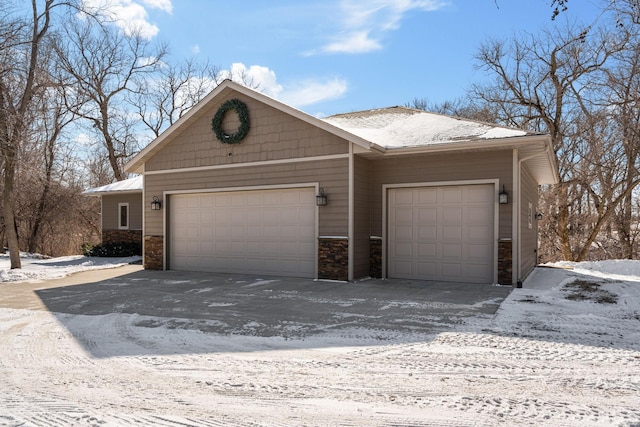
(36, 267)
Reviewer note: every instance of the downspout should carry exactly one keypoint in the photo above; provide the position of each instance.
(144, 216)
(515, 220)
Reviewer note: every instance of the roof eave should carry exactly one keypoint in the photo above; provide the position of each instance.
(102, 193)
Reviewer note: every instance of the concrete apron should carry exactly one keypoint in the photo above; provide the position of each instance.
(259, 306)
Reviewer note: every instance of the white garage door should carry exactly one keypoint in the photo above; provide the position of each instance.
(442, 233)
(255, 232)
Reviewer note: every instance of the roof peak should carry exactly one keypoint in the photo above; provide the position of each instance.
(384, 110)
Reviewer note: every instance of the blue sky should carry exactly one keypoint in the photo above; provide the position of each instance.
(332, 56)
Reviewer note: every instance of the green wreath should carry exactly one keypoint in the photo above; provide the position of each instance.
(243, 114)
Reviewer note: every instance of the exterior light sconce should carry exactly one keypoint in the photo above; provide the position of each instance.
(538, 216)
(503, 196)
(156, 204)
(321, 198)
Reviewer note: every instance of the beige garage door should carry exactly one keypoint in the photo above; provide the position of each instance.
(441, 233)
(268, 232)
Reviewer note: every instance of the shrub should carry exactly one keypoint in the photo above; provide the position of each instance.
(112, 250)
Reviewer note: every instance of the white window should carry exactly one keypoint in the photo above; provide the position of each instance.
(123, 216)
(530, 216)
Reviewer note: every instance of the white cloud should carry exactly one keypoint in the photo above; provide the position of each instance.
(354, 42)
(310, 92)
(164, 5)
(365, 22)
(131, 16)
(297, 94)
(257, 77)
(195, 49)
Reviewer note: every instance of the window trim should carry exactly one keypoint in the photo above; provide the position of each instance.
(128, 216)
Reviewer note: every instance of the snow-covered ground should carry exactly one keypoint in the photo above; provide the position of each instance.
(562, 351)
(37, 267)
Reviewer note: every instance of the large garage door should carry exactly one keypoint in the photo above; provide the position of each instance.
(442, 233)
(255, 232)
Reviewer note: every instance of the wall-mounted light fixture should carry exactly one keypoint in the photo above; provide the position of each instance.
(503, 196)
(156, 204)
(538, 216)
(321, 198)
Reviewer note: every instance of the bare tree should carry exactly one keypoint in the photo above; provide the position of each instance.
(459, 107)
(174, 91)
(103, 66)
(21, 44)
(45, 171)
(546, 82)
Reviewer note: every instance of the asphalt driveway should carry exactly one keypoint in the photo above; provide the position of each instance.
(270, 306)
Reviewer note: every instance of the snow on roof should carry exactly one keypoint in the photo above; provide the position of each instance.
(398, 127)
(131, 185)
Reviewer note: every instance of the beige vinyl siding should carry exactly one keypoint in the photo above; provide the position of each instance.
(110, 211)
(332, 175)
(273, 135)
(422, 168)
(528, 236)
(361, 218)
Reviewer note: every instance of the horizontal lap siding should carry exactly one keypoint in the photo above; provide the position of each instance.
(441, 168)
(362, 218)
(332, 175)
(528, 236)
(110, 211)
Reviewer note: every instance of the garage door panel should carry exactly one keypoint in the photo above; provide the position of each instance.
(481, 233)
(403, 250)
(450, 195)
(403, 197)
(403, 268)
(427, 232)
(451, 250)
(192, 202)
(480, 194)
(221, 200)
(428, 250)
(260, 232)
(479, 215)
(478, 252)
(404, 233)
(404, 216)
(477, 271)
(451, 232)
(451, 270)
(307, 217)
(442, 233)
(426, 269)
(452, 215)
(307, 234)
(427, 196)
(427, 215)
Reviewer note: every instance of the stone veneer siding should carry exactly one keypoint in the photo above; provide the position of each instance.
(154, 252)
(333, 258)
(375, 257)
(505, 268)
(121, 236)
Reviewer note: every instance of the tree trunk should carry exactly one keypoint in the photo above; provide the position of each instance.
(562, 226)
(9, 206)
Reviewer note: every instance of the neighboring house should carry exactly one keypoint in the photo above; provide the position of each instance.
(121, 210)
(409, 194)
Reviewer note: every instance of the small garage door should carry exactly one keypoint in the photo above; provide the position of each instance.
(257, 232)
(442, 233)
